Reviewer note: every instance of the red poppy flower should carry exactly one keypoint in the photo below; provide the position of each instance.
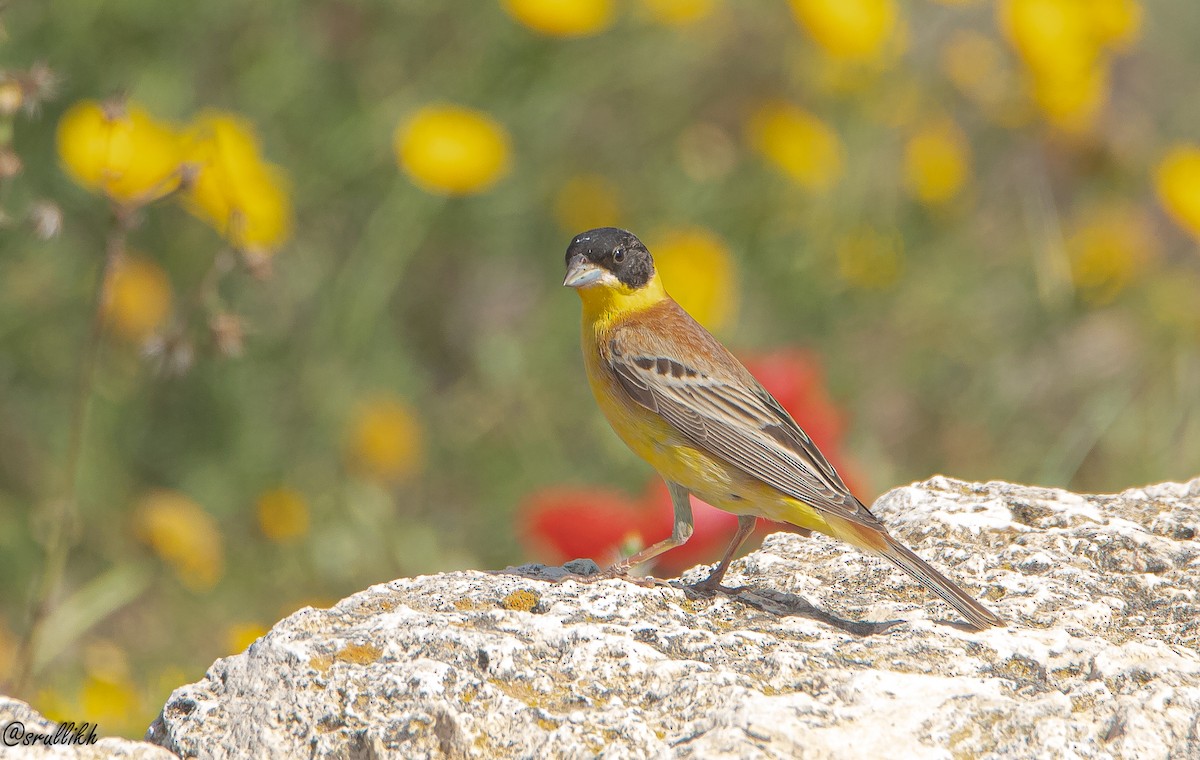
(562, 523)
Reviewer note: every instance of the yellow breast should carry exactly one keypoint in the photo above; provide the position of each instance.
(650, 436)
(710, 478)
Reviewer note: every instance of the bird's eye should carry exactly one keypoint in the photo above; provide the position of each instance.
(619, 255)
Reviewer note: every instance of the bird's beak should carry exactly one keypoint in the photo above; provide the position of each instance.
(581, 273)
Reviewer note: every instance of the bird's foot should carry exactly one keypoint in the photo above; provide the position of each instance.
(587, 571)
(616, 570)
(620, 570)
(712, 584)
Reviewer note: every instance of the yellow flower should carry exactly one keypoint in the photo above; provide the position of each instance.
(937, 162)
(797, 142)
(853, 29)
(137, 298)
(587, 201)
(244, 198)
(55, 705)
(239, 636)
(699, 273)
(870, 259)
(1072, 101)
(1108, 249)
(1117, 22)
(562, 18)
(1177, 179)
(184, 536)
(283, 515)
(1053, 37)
(386, 440)
(450, 150)
(108, 695)
(119, 150)
(108, 703)
(1065, 45)
(678, 12)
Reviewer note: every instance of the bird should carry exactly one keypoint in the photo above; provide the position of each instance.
(682, 402)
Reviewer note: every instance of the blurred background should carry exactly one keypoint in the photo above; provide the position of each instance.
(280, 303)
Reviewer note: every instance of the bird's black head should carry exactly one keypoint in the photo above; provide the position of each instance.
(608, 250)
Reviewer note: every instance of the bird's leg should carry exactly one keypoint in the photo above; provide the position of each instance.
(744, 529)
(680, 533)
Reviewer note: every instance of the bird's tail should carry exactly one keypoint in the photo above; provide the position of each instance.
(903, 557)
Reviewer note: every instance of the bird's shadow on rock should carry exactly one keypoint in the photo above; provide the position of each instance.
(785, 604)
(765, 600)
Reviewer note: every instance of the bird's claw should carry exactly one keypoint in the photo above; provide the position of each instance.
(621, 571)
(708, 586)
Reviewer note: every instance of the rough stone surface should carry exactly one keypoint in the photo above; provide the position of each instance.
(14, 712)
(827, 653)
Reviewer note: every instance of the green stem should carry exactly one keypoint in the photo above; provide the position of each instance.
(63, 514)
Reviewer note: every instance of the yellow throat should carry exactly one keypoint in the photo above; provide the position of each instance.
(603, 302)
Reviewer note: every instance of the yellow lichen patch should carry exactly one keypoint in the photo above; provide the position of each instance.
(321, 663)
(1021, 669)
(1083, 702)
(993, 594)
(520, 691)
(358, 654)
(355, 654)
(520, 601)
(562, 696)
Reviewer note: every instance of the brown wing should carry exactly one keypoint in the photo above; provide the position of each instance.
(672, 366)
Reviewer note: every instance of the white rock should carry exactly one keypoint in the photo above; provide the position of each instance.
(827, 654)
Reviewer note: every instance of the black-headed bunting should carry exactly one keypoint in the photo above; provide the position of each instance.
(683, 403)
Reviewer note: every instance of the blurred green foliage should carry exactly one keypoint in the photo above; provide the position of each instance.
(984, 353)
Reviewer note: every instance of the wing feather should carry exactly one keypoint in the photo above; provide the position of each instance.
(723, 410)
